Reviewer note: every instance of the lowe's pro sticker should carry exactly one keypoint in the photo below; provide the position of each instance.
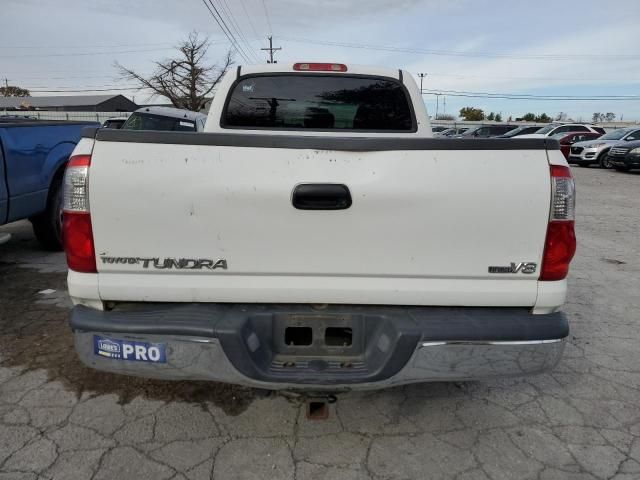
(129, 350)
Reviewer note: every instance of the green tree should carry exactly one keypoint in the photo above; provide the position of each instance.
(498, 117)
(13, 91)
(471, 114)
(543, 118)
(610, 116)
(529, 117)
(491, 116)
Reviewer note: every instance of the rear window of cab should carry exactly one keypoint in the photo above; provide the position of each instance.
(319, 102)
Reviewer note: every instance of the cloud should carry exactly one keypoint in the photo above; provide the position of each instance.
(522, 74)
(548, 27)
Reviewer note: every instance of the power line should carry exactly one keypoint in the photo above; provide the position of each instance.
(85, 54)
(454, 53)
(237, 29)
(85, 90)
(231, 36)
(444, 91)
(504, 77)
(266, 14)
(227, 32)
(506, 96)
(220, 21)
(253, 28)
(12, 47)
(104, 76)
(111, 85)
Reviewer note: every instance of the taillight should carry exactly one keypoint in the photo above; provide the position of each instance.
(560, 244)
(77, 233)
(320, 67)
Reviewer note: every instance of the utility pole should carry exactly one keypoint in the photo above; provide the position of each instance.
(421, 75)
(271, 49)
(6, 82)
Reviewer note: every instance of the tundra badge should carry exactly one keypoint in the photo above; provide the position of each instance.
(168, 263)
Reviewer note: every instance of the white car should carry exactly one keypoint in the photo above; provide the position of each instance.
(556, 128)
(165, 119)
(316, 236)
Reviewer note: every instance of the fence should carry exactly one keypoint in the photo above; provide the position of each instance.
(50, 115)
(102, 116)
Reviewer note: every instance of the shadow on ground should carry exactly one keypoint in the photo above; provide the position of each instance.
(34, 334)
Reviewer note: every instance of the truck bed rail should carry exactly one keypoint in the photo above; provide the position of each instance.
(354, 144)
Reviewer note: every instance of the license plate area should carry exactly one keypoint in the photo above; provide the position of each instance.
(315, 335)
(306, 346)
(318, 344)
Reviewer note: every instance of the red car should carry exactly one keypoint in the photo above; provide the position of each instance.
(568, 139)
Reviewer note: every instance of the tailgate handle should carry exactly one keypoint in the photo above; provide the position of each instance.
(321, 196)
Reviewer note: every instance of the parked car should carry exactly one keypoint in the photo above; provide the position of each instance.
(521, 130)
(165, 118)
(33, 155)
(597, 151)
(114, 122)
(452, 132)
(487, 131)
(288, 247)
(437, 129)
(556, 128)
(568, 139)
(625, 156)
(17, 118)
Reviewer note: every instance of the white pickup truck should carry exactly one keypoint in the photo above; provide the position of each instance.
(316, 237)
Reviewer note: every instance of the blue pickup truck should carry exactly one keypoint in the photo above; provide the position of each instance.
(33, 155)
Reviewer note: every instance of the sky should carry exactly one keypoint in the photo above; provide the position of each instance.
(467, 48)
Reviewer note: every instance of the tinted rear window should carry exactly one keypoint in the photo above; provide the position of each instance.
(145, 121)
(319, 102)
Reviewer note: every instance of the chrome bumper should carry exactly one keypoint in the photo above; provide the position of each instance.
(198, 357)
(586, 156)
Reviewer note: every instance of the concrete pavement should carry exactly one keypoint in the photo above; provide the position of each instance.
(59, 420)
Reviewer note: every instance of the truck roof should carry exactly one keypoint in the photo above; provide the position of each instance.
(287, 67)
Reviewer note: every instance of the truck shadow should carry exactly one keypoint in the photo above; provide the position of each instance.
(34, 334)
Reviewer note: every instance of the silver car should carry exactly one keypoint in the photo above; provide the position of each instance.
(596, 151)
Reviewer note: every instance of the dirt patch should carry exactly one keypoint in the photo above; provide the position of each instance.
(35, 334)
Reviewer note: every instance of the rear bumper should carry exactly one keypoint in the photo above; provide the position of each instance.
(245, 344)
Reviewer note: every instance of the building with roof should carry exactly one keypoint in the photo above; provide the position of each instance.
(72, 103)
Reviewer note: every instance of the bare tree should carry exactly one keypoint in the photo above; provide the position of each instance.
(186, 80)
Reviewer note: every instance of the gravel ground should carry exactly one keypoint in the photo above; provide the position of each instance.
(581, 421)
